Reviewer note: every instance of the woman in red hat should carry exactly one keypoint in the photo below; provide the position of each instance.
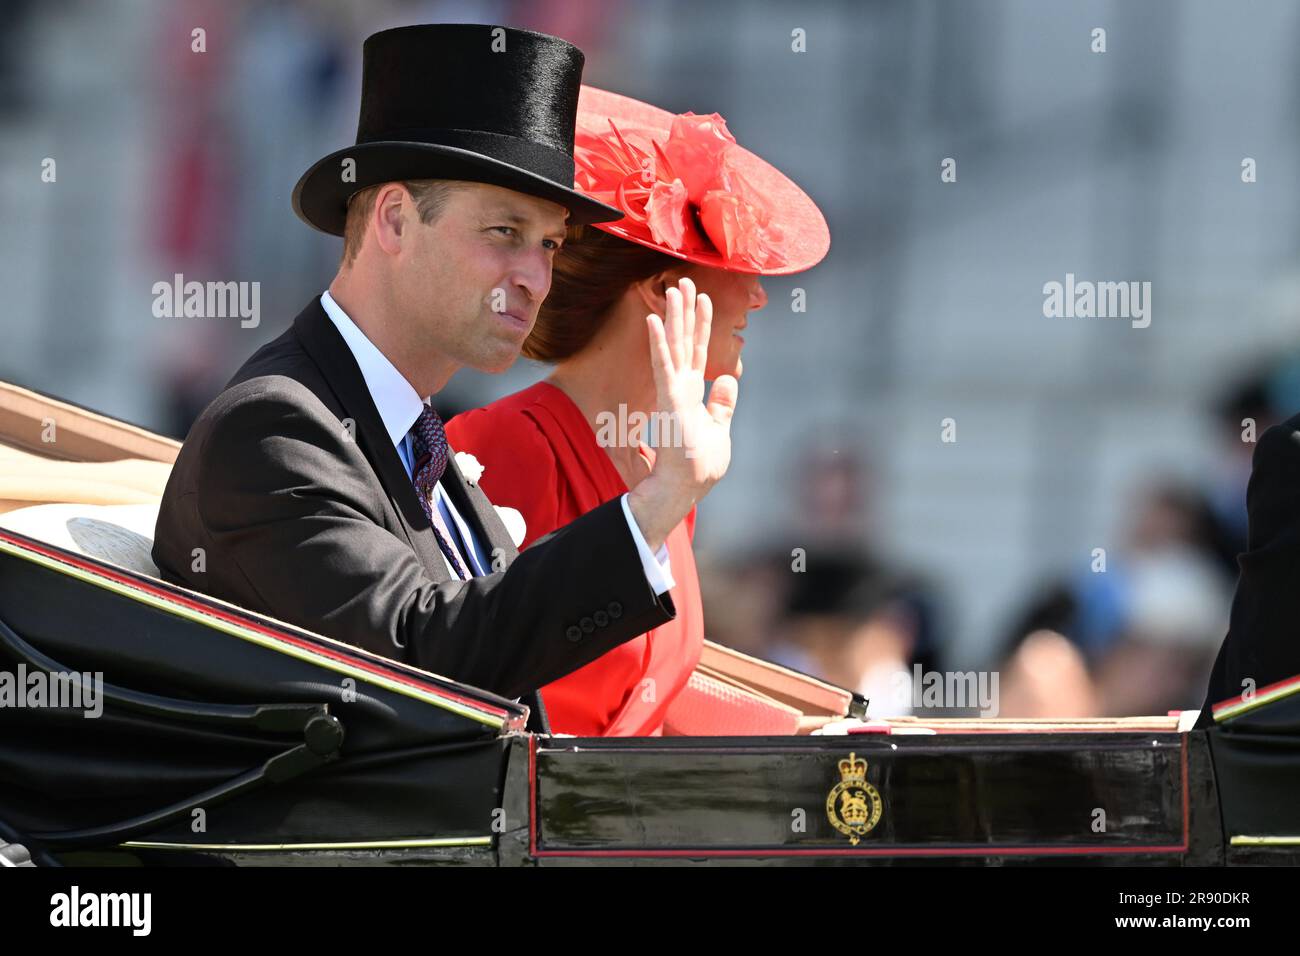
(702, 214)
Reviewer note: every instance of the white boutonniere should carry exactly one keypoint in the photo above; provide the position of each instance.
(469, 467)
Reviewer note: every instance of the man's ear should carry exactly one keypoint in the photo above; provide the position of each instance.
(392, 200)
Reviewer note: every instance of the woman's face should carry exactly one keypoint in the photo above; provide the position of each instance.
(734, 296)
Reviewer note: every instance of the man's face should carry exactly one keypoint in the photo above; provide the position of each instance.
(469, 284)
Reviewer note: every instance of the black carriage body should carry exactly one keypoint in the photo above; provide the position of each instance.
(229, 738)
(1077, 798)
(417, 765)
(428, 771)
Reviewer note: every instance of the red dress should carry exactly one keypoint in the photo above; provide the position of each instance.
(540, 456)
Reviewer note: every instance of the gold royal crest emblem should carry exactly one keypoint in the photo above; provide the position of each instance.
(853, 806)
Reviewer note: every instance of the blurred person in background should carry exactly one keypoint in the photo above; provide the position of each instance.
(1174, 603)
(851, 622)
(1143, 628)
(219, 197)
(841, 608)
(193, 229)
(1046, 676)
(835, 489)
(744, 592)
(702, 212)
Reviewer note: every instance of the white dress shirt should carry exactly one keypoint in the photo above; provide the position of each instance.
(399, 408)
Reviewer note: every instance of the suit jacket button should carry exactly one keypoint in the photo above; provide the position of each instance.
(573, 633)
(587, 625)
(601, 618)
(615, 610)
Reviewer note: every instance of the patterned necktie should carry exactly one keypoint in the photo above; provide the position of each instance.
(430, 443)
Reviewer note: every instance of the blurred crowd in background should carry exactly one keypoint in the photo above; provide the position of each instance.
(1079, 536)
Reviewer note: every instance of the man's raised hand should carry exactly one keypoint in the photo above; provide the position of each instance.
(694, 450)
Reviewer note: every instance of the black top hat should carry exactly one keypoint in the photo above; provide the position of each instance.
(459, 101)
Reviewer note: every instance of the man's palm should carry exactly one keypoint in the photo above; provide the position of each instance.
(697, 446)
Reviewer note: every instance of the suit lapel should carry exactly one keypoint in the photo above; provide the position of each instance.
(482, 517)
(478, 512)
(326, 347)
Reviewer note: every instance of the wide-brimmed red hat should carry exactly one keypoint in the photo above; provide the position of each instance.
(686, 188)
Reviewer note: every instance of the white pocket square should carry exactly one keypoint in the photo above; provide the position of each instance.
(514, 522)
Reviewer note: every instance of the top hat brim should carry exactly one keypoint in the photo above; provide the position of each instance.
(321, 196)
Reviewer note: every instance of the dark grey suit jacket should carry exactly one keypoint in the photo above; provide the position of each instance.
(289, 484)
(1262, 644)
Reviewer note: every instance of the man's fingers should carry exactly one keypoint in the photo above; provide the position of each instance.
(687, 345)
(673, 326)
(722, 399)
(660, 357)
(703, 326)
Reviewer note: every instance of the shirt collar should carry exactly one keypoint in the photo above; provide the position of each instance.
(397, 402)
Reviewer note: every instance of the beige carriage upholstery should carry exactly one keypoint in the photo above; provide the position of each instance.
(79, 434)
(79, 479)
(118, 534)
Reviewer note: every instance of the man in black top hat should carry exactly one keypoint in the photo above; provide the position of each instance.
(318, 486)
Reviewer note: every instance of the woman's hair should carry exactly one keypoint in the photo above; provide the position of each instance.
(590, 274)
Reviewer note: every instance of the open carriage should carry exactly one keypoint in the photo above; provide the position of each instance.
(208, 734)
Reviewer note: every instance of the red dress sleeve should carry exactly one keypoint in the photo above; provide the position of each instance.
(519, 467)
(540, 456)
